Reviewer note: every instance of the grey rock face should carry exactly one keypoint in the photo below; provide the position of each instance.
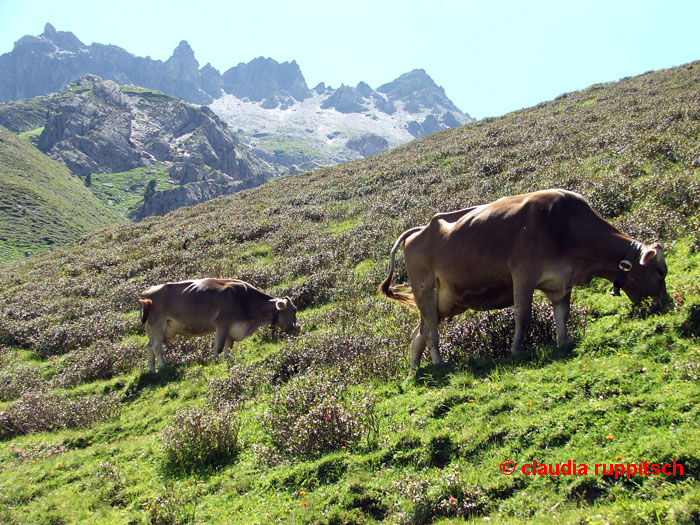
(263, 78)
(345, 100)
(211, 81)
(410, 106)
(368, 145)
(431, 124)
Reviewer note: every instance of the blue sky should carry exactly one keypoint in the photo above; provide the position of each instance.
(491, 56)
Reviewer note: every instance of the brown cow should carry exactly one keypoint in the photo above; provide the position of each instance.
(496, 255)
(231, 308)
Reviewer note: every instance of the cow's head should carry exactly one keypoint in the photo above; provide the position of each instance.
(648, 278)
(286, 316)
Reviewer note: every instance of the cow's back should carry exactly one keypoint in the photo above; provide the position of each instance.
(204, 300)
(543, 224)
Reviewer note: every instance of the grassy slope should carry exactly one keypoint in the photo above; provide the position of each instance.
(41, 203)
(624, 392)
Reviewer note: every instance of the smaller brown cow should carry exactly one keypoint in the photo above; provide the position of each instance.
(496, 255)
(233, 309)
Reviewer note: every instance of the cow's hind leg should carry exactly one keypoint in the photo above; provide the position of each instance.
(426, 300)
(417, 345)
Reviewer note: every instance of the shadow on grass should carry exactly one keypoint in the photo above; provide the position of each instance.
(532, 357)
(198, 471)
(438, 375)
(149, 380)
(435, 376)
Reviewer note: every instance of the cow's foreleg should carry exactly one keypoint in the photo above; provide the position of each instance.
(158, 350)
(221, 339)
(417, 345)
(523, 289)
(227, 346)
(561, 309)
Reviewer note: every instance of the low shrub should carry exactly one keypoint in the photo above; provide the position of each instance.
(314, 414)
(380, 352)
(243, 382)
(17, 379)
(110, 484)
(103, 361)
(312, 290)
(690, 327)
(448, 497)
(40, 411)
(182, 351)
(170, 509)
(199, 438)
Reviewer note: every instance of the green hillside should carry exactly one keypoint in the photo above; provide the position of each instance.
(42, 204)
(331, 426)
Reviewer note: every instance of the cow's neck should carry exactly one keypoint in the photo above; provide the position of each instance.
(608, 250)
(271, 313)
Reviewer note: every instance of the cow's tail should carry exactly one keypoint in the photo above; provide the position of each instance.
(145, 309)
(391, 291)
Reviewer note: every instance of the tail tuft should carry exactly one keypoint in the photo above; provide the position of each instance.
(145, 309)
(392, 291)
(404, 298)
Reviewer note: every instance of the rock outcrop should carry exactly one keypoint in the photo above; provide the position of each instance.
(264, 78)
(368, 145)
(345, 99)
(96, 126)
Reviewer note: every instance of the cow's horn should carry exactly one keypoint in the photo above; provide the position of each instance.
(281, 304)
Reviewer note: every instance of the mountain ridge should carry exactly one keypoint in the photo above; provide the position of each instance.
(43, 64)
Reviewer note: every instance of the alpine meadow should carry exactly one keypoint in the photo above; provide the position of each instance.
(332, 425)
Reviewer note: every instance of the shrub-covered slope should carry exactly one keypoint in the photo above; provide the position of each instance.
(330, 427)
(41, 203)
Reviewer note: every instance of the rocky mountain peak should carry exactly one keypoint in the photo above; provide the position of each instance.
(266, 79)
(49, 31)
(62, 39)
(184, 52)
(417, 89)
(183, 61)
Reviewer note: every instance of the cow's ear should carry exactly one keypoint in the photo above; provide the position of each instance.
(281, 304)
(647, 256)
